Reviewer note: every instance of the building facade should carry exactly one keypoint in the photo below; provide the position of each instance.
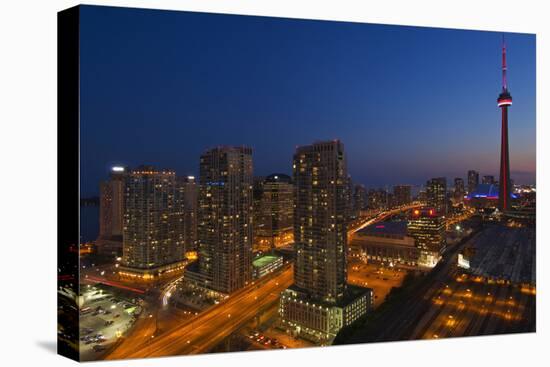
(427, 227)
(402, 195)
(273, 214)
(436, 194)
(473, 180)
(152, 238)
(188, 191)
(360, 198)
(315, 305)
(225, 220)
(111, 213)
(459, 190)
(386, 244)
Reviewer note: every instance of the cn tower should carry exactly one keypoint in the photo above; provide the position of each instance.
(504, 100)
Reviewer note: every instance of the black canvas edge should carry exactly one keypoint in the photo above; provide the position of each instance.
(68, 178)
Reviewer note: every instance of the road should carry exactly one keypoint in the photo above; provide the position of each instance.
(213, 325)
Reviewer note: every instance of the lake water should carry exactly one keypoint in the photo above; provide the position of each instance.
(89, 223)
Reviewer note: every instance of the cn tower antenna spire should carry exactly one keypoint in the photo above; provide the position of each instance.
(504, 82)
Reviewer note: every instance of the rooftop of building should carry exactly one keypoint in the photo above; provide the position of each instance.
(353, 292)
(278, 177)
(504, 253)
(385, 228)
(264, 260)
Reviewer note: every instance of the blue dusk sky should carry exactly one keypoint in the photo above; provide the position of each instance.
(409, 103)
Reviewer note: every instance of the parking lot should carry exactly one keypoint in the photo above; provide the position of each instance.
(105, 316)
(380, 279)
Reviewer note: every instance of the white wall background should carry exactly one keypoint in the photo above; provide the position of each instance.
(28, 180)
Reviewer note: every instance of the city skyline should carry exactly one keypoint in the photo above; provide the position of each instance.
(163, 117)
(279, 184)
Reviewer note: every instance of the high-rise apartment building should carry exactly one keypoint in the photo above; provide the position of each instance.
(225, 220)
(152, 239)
(320, 302)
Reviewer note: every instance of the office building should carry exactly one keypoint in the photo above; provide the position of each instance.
(427, 227)
(436, 194)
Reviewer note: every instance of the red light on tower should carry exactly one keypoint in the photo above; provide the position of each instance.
(416, 212)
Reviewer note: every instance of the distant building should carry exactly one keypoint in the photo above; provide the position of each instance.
(152, 243)
(377, 199)
(488, 180)
(321, 302)
(402, 195)
(436, 194)
(273, 216)
(427, 227)
(459, 190)
(485, 196)
(386, 243)
(111, 213)
(351, 213)
(473, 180)
(360, 198)
(188, 189)
(225, 220)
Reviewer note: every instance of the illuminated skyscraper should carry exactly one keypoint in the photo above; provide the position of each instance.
(436, 194)
(152, 243)
(504, 101)
(320, 302)
(225, 219)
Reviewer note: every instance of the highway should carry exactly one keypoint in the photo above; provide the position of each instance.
(210, 327)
